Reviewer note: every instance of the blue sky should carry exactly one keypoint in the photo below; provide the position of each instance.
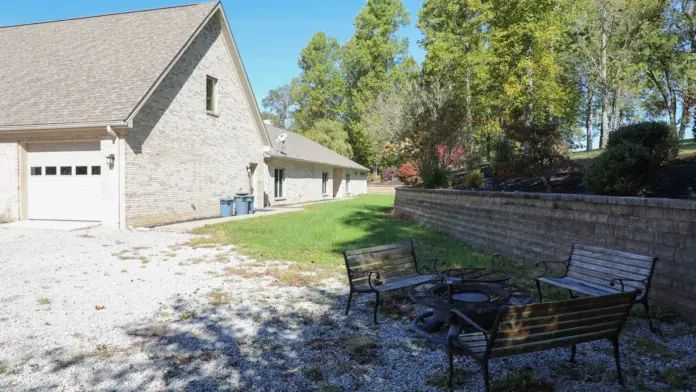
(270, 33)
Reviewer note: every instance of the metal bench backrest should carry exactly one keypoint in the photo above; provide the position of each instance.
(599, 266)
(393, 260)
(523, 329)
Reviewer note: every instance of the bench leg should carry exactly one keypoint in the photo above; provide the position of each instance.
(572, 354)
(570, 292)
(376, 306)
(653, 328)
(615, 342)
(451, 369)
(350, 297)
(486, 379)
(541, 299)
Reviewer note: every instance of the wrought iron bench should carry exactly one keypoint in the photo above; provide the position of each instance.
(384, 268)
(596, 271)
(529, 328)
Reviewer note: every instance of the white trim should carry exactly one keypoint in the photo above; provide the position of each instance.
(244, 78)
(287, 158)
(171, 64)
(54, 127)
(236, 61)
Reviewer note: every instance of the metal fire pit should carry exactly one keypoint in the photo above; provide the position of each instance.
(487, 275)
(480, 301)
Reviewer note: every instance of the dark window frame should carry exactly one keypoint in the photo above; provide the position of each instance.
(85, 168)
(211, 95)
(324, 183)
(35, 172)
(52, 169)
(70, 171)
(278, 180)
(98, 173)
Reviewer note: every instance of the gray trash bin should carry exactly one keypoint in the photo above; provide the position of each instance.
(241, 205)
(226, 206)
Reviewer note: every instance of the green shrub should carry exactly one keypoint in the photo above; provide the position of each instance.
(474, 179)
(658, 137)
(434, 175)
(621, 170)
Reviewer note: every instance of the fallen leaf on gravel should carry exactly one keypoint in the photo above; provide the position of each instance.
(98, 307)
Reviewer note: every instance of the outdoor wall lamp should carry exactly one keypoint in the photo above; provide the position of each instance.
(249, 170)
(110, 159)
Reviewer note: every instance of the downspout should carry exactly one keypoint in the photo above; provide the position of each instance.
(117, 166)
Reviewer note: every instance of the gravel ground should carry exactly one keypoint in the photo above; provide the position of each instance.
(132, 311)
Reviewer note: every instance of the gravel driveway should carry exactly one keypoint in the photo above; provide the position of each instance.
(132, 311)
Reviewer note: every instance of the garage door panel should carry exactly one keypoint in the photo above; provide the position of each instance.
(64, 181)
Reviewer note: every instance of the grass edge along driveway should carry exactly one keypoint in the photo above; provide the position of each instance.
(319, 234)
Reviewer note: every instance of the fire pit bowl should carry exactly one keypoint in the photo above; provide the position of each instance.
(480, 301)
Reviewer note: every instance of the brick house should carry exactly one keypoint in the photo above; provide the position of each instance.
(137, 119)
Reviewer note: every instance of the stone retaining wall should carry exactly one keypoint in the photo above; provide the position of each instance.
(532, 227)
(382, 189)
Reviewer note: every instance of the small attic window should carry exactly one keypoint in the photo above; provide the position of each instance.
(211, 95)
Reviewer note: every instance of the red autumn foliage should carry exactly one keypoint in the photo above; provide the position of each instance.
(452, 156)
(408, 173)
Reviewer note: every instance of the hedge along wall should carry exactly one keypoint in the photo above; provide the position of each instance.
(536, 226)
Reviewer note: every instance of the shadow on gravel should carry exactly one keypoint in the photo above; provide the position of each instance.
(220, 348)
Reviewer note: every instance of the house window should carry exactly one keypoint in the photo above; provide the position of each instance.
(324, 182)
(211, 96)
(279, 179)
(66, 170)
(50, 170)
(80, 170)
(36, 171)
(347, 183)
(96, 170)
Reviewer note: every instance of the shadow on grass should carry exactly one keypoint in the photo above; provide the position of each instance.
(381, 226)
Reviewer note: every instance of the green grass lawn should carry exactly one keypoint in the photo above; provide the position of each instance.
(686, 148)
(321, 232)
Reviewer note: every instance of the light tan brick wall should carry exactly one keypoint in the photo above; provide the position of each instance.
(9, 181)
(302, 182)
(535, 227)
(179, 159)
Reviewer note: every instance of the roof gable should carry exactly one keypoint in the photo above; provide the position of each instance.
(298, 147)
(89, 70)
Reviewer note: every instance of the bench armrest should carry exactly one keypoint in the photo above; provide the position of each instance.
(622, 280)
(462, 317)
(435, 262)
(547, 262)
(374, 278)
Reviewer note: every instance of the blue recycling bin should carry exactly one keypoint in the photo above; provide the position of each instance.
(250, 202)
(241, 205)
(226, 206)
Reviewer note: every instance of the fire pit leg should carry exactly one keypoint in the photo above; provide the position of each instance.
(430, 324)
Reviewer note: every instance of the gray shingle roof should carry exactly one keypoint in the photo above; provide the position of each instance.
(91, 69)
(298, 147)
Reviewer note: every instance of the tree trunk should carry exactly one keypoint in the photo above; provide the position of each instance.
(615, 111)
(604, 132)
(530, 87)
(588, 122)
(684, 121)
(468, 96)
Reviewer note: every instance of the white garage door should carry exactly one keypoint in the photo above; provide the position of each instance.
(64, 181)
